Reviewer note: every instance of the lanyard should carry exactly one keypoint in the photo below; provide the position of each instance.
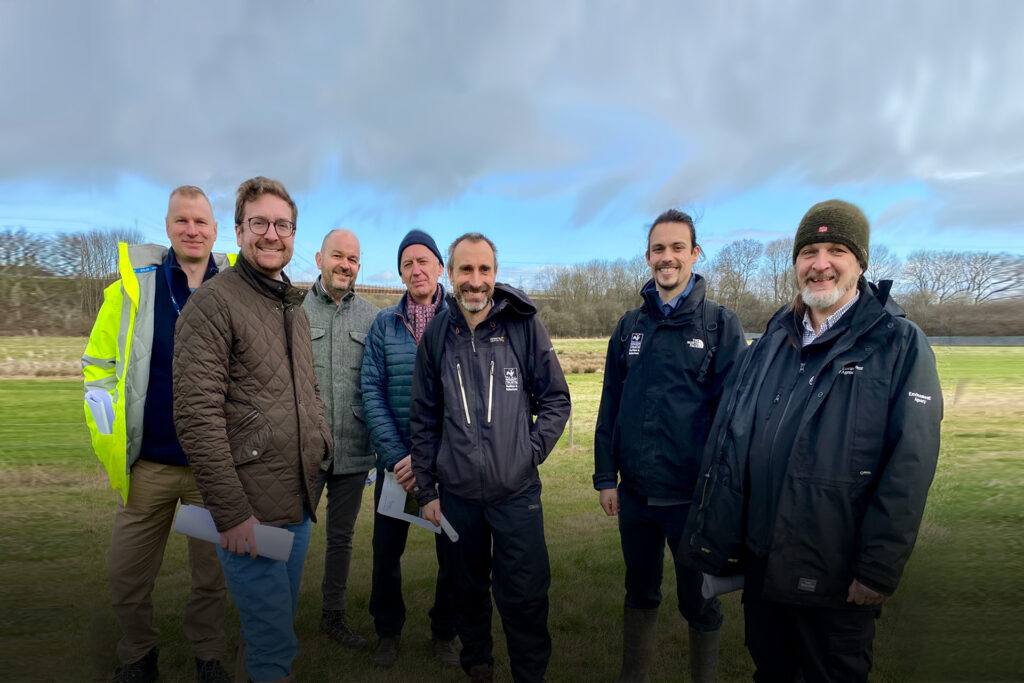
(170, 289)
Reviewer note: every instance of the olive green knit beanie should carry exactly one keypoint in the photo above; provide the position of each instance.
(835, 221)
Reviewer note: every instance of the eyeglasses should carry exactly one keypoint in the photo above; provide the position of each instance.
(259, 226)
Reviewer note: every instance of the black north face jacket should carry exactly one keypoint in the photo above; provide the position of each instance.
(858, 475)
(471, 424)
(655, 412)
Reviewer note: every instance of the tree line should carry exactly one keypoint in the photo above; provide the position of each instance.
(53, 284)
(945, 292)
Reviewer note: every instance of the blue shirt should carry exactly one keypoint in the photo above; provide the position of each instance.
(672, 304)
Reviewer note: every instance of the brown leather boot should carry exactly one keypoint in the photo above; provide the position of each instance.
(481, 673)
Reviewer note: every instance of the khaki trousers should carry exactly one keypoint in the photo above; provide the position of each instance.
(141, 528)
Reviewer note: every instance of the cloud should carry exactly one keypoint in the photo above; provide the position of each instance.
(426, 101)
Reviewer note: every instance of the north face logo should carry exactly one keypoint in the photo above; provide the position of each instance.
(511, 379)
(635, 340)
(695, 343)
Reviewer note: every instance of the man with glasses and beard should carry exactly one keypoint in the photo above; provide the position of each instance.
(249, 417)
(819, 461)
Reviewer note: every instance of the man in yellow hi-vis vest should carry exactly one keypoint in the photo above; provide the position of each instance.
(129, 411)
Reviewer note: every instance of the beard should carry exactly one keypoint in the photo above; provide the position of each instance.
(823, 300)
(471, 306)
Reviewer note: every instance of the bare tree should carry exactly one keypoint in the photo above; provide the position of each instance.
(734, 268)
(936, 276)
(992, 276)
(883, 264)
(776, 271)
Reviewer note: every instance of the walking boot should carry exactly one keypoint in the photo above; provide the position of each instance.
(386, 654)
(638, 630)
(481, 673)
(703, 656)
(334, 625)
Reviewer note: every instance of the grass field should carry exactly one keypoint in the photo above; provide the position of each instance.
(955, 617)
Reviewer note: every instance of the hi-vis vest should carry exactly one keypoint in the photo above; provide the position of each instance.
(117, 357)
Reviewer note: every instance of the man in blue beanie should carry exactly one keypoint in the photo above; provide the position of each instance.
(387, 381)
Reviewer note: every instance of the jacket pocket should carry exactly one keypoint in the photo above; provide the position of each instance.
(248, 438)
(317, 332)
(357, 350)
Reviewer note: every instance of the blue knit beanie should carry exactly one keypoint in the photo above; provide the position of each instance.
(418, 237)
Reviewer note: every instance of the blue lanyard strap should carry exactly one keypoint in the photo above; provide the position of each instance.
(170, 289)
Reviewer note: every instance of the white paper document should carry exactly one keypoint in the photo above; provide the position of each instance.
(392, 504)
(197, 522)
(720, 585)
(102, 408)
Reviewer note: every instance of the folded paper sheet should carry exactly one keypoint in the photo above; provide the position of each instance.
(197, 522)
(393, 501)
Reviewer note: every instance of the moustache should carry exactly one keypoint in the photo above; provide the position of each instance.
(469, 289)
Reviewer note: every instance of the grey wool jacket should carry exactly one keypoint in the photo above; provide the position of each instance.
(339, 338)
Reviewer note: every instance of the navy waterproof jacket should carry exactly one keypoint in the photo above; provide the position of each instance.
(472, 429)
(857, 477)
(655, 415)
(387, 381)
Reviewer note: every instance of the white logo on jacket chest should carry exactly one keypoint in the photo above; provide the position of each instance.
(850, 369)
(695, 343)
(511, 379)
(635, 340)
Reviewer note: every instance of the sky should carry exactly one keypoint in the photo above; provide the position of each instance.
(560, 130)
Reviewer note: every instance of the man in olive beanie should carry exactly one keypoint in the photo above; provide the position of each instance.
(835, 221)
(834, 431)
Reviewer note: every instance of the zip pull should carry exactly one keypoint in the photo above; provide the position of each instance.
(490, 392)
(462, 389)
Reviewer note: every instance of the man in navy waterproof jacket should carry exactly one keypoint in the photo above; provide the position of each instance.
(820, 460)
(474, 436)
(665, 370)
(387, 386)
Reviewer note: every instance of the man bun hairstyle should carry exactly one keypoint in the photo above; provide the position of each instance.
(835, 221)
(674, 216)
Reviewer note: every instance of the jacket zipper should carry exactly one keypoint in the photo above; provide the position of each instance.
(490, 393)
(243, 423)
(462, 390)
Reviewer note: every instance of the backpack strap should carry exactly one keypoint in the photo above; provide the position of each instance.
(883, 286)
(711, 314)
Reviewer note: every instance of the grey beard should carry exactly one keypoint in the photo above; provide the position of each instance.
(473, 308)
(821, 301)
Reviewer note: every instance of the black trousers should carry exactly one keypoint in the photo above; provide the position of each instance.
(386, 604)
(820, 644)
(522, 576)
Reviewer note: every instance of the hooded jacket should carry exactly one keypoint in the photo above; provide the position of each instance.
(117, 357)
(246, 405)
(655, 415)
(471, 423)
(863, 457)
(387, 381)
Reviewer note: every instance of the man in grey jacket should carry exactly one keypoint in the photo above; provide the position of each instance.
(338, 320)
(481, 369)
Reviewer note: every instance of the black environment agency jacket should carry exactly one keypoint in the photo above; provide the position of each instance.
(471, 423)
(857, 477)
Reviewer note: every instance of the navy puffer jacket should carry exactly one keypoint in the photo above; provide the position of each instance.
(387, 381)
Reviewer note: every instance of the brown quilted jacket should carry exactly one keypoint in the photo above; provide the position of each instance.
(246, 405)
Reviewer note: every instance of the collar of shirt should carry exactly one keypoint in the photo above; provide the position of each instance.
(672, 304)
(810, 335)
(320, 291)
(211, 265)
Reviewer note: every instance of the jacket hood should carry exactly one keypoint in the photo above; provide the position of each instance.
(649, 292)
(516, 299)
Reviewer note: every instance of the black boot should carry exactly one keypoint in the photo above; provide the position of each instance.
(638, 630)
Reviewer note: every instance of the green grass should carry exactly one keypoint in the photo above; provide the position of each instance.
(955, 616)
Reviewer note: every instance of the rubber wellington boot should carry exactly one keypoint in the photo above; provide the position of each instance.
(703, 656)
(638, 630)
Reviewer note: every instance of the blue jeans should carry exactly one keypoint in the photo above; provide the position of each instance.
(266, 593)
(645, 529)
